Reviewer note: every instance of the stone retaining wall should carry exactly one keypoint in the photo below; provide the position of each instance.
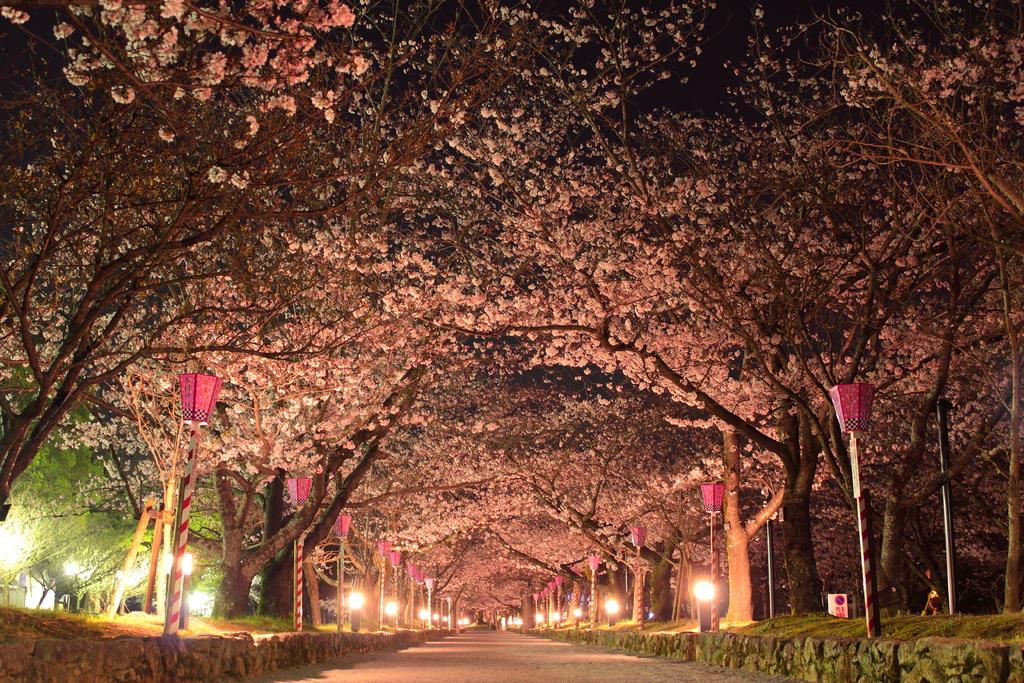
(204, 659)
(842, 660)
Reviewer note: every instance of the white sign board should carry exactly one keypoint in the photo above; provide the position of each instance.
(838, 605)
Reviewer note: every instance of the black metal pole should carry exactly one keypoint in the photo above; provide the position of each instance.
(770, 551)
(942, 409)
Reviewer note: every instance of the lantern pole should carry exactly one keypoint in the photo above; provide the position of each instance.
(172, 615)
(341, 583)
(871, 612)
(593, 594)
(298, 545)
(714, 577)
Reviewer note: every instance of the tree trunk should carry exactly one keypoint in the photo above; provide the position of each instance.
(232, 599)
(798, 551)
(741, 593)
(638, 592)
(275, 597)
(527, 613)
(1011, 589)
(892, 559)
(277, 585)
(312, 591)
(661, 590)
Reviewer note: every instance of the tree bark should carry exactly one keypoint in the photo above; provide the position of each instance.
(232, 598)
(638, 591)
(661, 590)
(741, 594)
(798, 551)
(892, 558)
(312, 591)
(1011, 588)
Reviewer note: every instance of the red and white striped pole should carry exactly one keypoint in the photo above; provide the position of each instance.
(172, 615)
(852, 403)
(867, 565)
(299, 543)
(198, 399)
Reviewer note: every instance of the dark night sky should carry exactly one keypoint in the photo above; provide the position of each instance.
(728, 32)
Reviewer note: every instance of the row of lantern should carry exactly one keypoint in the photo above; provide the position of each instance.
(712, 495)
(852, 404)
(299, 489)
(199, 393)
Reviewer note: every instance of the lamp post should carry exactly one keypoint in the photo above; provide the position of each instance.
(395, 558)
(712, 495)
(852, 404)
(341, 527)
(355, 605)
(704, 592)
(383, 547)
(611, 608)
(186, 569)
(198, 398)
(298, 489)
(429, 582)
(638, 535)
(594, 562)
(391, 609)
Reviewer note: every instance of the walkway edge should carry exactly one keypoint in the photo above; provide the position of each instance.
(820, 659)
(202, 659)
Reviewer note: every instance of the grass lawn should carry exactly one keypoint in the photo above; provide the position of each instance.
(28, 624)
(1000, 627)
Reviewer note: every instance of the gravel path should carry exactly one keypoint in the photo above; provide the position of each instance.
(499, 657)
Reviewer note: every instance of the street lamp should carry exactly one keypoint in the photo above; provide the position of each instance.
(430, 582)
(355, 603)
(198, 397)
(852, 403)
(391, 609)
(712, 495)
(611, 608)
(704, 591)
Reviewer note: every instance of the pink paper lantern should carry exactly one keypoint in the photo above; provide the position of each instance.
(853, 405)
(712, 495)
(395, 557)
(198, 396)
(594, 561)
(429, 583)
(638, 535)
(559, 580)
(342, 525)
(384, 547)
(536, 597)
(299, 488)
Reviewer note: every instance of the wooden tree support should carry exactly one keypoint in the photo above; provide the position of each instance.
(121, 582)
